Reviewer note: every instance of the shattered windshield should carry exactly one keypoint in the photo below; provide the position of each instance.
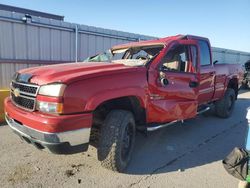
(133, 56)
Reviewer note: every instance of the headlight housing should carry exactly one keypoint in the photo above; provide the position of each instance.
(49, 107)
(52, 90)
(48, 98)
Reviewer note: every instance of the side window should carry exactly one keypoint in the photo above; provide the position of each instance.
(204, 53)
(176, 59)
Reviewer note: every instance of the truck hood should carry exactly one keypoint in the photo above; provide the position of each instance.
(70, 72)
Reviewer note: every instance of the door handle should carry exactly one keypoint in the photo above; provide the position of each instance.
(193, 84)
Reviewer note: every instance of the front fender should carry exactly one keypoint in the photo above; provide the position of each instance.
(86, 95)
(102, 97)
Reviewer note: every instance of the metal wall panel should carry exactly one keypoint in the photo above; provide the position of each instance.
(33, 42)
(83, 41)
(7, 45)
(65, 46)
(44, 41)
(229, 56)
(55, 44)
(19, 32)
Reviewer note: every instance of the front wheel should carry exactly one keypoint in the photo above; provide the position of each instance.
(224, 107)
(117, 140)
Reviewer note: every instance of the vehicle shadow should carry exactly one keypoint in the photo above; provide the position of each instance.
(196, 142)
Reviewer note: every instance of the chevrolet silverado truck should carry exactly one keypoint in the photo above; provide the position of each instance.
(144, 85)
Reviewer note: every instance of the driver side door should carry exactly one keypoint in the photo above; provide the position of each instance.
(173, 85)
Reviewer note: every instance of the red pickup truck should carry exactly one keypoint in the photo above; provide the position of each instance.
(143, 85)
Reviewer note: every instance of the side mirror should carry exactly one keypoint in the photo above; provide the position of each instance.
(164, 81)
(216, 61)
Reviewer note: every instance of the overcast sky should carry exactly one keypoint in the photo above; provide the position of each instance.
(225, 22)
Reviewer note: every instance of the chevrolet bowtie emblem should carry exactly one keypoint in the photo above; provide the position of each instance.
(16, 92)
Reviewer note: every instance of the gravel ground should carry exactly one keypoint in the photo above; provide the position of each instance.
(184, 155)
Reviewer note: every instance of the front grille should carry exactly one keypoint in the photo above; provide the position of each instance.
(24, 95)
(25, 88)
(23, 102)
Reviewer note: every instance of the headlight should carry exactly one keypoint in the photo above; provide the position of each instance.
(53, 90)
(49, 107)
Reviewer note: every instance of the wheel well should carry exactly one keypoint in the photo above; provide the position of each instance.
(233, 84)
(130, 103)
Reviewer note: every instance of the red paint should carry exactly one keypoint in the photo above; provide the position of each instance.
(91, 84)
(49, 99)
(207, 81)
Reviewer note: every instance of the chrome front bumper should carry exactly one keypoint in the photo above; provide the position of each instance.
(66, 141)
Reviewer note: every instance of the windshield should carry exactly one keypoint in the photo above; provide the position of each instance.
(133, 56)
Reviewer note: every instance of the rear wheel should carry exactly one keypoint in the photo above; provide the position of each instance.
(224, 107)
(117, 140)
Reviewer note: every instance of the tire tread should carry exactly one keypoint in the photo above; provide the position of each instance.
(221, 105)
(109, 144)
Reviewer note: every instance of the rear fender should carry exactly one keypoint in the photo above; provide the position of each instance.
(232, 82)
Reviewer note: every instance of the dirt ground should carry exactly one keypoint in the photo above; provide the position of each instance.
(183, 155)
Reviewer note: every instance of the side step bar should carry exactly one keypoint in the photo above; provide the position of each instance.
(154, 128)
(203, 110)
(161, 126)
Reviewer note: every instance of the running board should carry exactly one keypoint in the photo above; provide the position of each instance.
(161, 126)
(154, 128)
(203, 110)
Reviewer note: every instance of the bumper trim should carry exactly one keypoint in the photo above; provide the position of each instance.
(73, 138)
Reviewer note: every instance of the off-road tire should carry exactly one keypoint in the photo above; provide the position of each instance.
(111, 143)
(224, 106)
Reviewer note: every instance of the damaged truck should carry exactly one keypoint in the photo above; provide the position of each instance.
(144, 85)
